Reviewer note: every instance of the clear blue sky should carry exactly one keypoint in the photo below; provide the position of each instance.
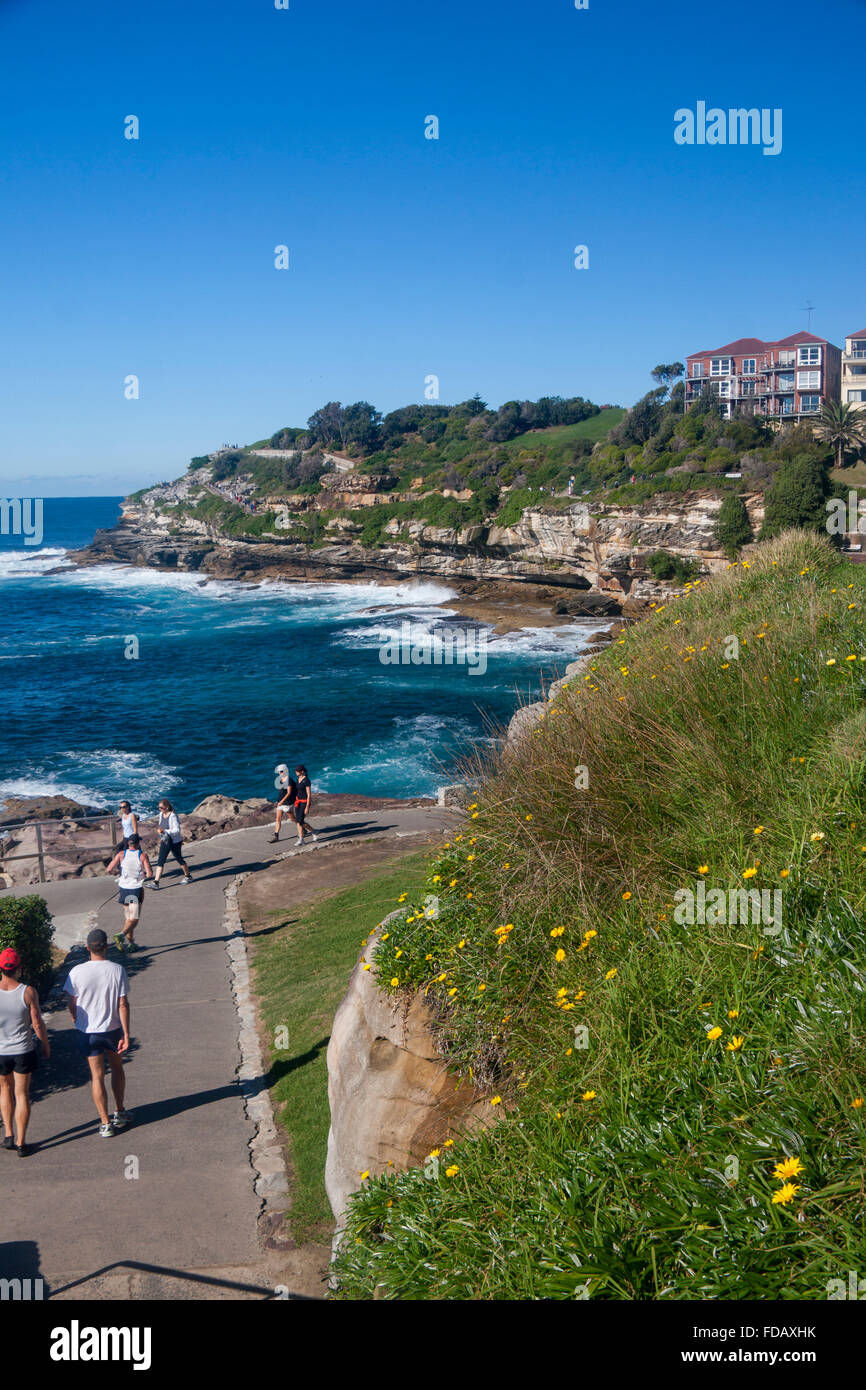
(408, 256)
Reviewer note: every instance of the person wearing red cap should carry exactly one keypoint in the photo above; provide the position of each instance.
(20, 1018)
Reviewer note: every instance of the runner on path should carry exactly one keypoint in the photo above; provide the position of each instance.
(302, 804)
(134, 868)
(287, 793)
(99, 1004)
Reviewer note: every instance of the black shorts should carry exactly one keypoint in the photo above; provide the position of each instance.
(300, 810)
(23, 1063)
(95, 1044)
(130, 895)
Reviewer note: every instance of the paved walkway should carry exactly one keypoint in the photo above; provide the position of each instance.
(72, 1214)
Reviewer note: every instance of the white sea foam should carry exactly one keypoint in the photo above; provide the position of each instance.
(95, 777)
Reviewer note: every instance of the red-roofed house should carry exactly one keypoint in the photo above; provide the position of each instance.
(789, 379)
(854, 368)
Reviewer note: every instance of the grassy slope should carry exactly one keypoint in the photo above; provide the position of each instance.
(300, 975)
(636, 1159)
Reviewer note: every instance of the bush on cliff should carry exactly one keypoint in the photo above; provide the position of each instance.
(676, 1066)
(25, 925)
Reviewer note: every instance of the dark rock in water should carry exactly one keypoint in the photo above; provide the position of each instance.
(21, 808)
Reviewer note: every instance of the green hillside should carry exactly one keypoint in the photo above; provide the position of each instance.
(678, 1104)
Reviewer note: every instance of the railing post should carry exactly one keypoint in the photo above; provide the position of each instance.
(113, 836)
(40, 852)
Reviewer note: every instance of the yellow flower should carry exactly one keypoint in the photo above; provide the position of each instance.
(714, 1033)
(461, 943)
(452, 992)
(787, 1168)
(610, 974)
(448, 1144)
(735, 1044)
(366, 967)
(560, 993)
(434, 1153)
(568, 1051)
(395, 981)
(453, 883)
(783, 1195)
(817, 835)
(472, 807)
(758, 830)
(365, 1174)
(852, 657)
(496, 1100)
(749, 873)
(452, 1171)
(560, 955)
(733, 1013)
(558, 931)
(474, 815)
(402, 898)
(831, 662)
(784, 873)
(857, 1103)
(469, 858)
(626, 897)
(703, 868)
(436, 878)
(506, 866)
(588, 1095)
(529, 817)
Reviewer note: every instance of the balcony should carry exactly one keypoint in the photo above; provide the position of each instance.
(858, 355)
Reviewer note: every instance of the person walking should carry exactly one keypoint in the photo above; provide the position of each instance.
(303, 799)
(98, 1001)
(128, 823)
(170, 839)
(134, 868)
(20, 1018)
(287, 795)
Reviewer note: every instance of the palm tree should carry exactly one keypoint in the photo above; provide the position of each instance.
(843, 427)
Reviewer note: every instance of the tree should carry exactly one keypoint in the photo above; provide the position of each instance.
(361, 427)
(733, 528)
(843, 427)
(797, 496)
(666, 374)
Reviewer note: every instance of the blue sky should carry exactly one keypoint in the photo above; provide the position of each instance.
(407, 256)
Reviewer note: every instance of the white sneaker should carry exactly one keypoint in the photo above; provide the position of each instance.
(186, 879)
(106, 1131)
(120, 1119)
(315, 837)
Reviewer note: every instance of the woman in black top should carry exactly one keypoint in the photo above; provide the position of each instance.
(303, 799)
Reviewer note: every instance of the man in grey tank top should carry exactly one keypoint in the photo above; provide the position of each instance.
(20, 1018)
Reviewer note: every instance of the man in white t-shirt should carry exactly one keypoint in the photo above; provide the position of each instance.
(99, 1004)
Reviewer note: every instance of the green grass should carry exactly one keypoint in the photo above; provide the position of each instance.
(635, 1148)
(301, 974)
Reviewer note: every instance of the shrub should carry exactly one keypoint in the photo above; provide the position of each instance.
(25, 924)
(733, 528)
(665, 566)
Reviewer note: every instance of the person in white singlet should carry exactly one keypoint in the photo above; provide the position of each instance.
(134, 867)
(20, 1019)
(128, 823)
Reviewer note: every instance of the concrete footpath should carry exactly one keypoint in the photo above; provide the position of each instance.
(168, 1208)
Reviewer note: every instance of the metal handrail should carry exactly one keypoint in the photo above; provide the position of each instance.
(40, 847)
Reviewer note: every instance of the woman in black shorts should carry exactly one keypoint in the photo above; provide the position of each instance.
(20, 1018)
(303, 797)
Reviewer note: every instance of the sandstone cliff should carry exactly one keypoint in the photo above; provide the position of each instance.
(596, 551)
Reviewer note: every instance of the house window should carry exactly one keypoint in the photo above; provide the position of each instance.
(786, 359)
(787, 406)
(806, 380)
(858, 347)
(747, 388)
(786, 381)
(810, 405)
(809, 357)
(749, 366)
(857, 395)
(697, 369)
(720, 366)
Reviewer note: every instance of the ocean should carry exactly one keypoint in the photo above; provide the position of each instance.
(120, 682)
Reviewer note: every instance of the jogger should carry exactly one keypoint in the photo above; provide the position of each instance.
(134, 868)
(303, 800)
(20, 1019)
(287, 792)
(99, 1004)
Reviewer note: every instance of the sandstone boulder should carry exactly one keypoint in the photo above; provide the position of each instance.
(390, 1092)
